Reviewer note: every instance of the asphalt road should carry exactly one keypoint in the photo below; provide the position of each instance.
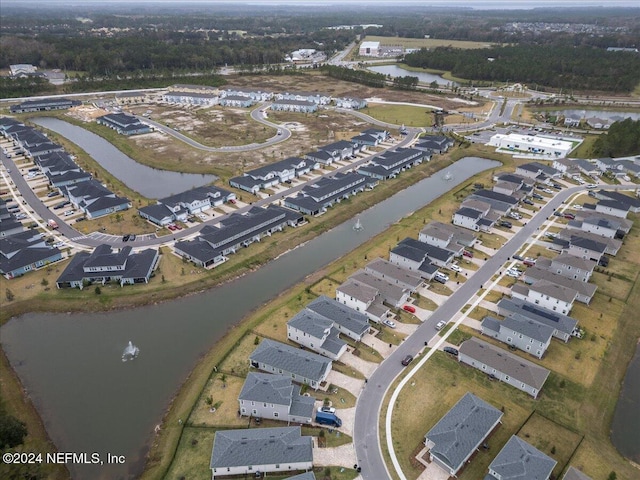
(39, 209)
(368, 408)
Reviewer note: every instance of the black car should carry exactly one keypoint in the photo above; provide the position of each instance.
(604, 261)
(126, 238)
(407, 360)
(505, 224)
(527, 201)
(518, 257)
(557, 186)
(537, 196)
(451, 350)
(557, 213)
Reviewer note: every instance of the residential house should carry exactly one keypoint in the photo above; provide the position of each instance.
(499, 202)
(503, 365)
(469, 218)
(317, 333)
(181, 87)
(566, 166)
(391, 164)
(613, 207)
(68, 179)
(585, 248)
(44, 105)
(633, 203)
(394, 274)
(273, 174)
(447, 236)
(563, 325)
(598, 226)
(302, 366)
(123, 123)
(104, 265)
(572, 120)
(390, 293)
(414, 259)
(237, 101)
(25, 251)
(131, 98)
(585, 291)
(434, 143)
(598, 123)
(546, 294)
(534, 169)
(260, 450)
(316, 198)
(254, 94)
(313, 97)
(612, 245)
(362, 298)
(235, 232)
(608, 164)
(519, 460)
(625, 224)
(348, 321)
(275, 397)
(460, 432)
(199, 99)
(520, 332)
(351, 103)
(94, 199)
(571, 266)
(297, 106)
(436, 255)
(588, 168)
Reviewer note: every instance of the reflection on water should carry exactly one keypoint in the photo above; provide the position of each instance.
(424, 77)
(149, 182)
(92, 401)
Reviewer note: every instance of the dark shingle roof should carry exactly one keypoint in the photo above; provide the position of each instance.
(520, 461)
(290, 359)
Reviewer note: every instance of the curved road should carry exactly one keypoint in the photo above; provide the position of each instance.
(256, 114)
(370, 401)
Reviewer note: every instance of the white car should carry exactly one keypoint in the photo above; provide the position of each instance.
(69, 213)
(389, 323)
(592, 185)
(455, 268)
(440, 325)
(547, 190)
(511, 273)
(58, 244)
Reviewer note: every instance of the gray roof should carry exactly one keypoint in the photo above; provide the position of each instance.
(462, 429)
(303, 476)
(380, 267)
(520, 461)
(291, 359)
(620, 197)
(268, 388)
(554, 290)
(411, 253)
(562, 323)
(469, 213)
(586, 243)
(503, 361)
(583, 288)
(260, 446)
(614, 204)
(360, 291)
(574, 262)
(521, 324)
(340, 314)
(491, 195)
(430, 250)
(575, 474)
(461, 235)
(311, 323)
(390, 292)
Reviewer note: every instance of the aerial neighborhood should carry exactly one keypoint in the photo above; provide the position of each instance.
(273, 254)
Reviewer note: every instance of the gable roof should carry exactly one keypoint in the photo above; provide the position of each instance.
(519, 460)
(260, 446)
(290, 359)
(458, 433)
(560, 322)
(268, 388)
(503, 361)
(574, 474)
(340, 314)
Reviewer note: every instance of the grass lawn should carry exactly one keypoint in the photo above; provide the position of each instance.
(426, 42)
(326, 286)
(224, 397)
(237, 362)
(388, 335)
(340, 399)
(194, 451)
(400, 114)
(426, 303)
(551, 438)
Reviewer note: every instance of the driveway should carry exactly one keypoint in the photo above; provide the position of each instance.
(352, 385)
(344, 455)
(363, 366)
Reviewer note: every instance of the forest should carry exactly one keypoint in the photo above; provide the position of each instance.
(567, 68)
(621, 140)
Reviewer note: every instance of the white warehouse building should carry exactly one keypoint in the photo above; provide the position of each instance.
(369, 49)
(540, 145)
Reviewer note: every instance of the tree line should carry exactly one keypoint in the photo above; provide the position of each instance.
(621, 140)
(568, 68)
(363, 77)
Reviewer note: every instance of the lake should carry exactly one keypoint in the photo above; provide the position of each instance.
(424, 77)
(147, 181)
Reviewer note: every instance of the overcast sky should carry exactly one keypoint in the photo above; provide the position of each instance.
(479, 4)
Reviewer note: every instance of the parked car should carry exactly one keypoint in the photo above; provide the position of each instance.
(172, 227)
(68, 213)
(329, 419)
(537, 196)
(389, 323)
(518, 257)
(557, 185)
(125, 238)
(557, 213)
(592, 185)
(455, 268)
(132, 237)
(569, 216)
(327, 409)
(407, 360)
(451, 350)
(178, 227)
(506, 224)
(53, 194)
(547, 190)
(527, 201)
(604, 261)
(467, 253)
(529, 262)
(440, 325)
(514, 215)
(409, 308)
(513, 273)
(232, 201)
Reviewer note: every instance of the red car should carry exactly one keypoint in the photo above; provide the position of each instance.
(409, 308)
(569, 216)
(467, 253)
(178, 227)
(172, 227)
(232, 201)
